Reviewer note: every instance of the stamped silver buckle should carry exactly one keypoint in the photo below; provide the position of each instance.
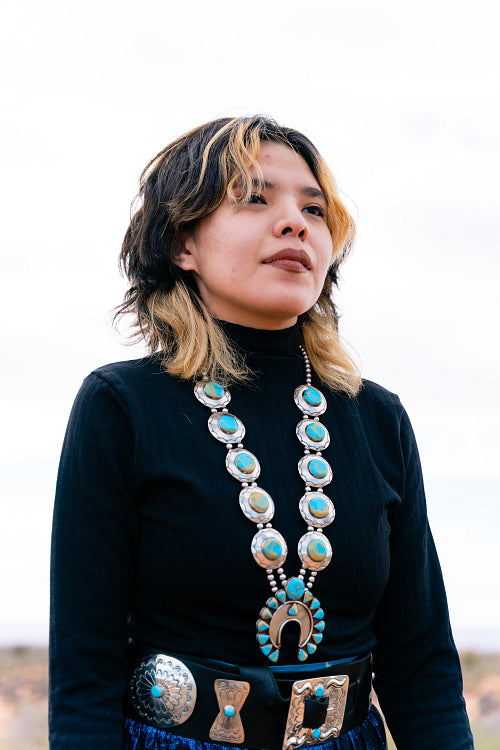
(331, 688)
(227, 727)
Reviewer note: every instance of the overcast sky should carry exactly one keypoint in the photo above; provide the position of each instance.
(400, 97)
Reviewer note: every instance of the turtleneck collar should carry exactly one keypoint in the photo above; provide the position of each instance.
(263, 341)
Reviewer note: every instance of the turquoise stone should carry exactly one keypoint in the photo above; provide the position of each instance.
(316, 549)
(261, 625)
(317, 637)
(213, 391)
(311, 648)
(245, 463)
(317, 733)
(318, 468)
(307, 596)
(156, 691)
(315, 432)
(281, 596)
(229, 711)
(272, 603)
(319, 614)
(271, 548)
(266, 650)
(295, 588)
(228, 424)
(266, 613)
(320, 691)
(315, 604)
(259, 502)
(312, 396)
(302, 654)
(274, 656)
(262, 639)
(292, 611)
(320, 626)
(318, 507)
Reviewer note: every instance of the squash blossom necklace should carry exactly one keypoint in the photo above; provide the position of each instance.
(291, 600)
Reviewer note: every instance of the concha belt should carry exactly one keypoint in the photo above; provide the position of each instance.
(208, 700)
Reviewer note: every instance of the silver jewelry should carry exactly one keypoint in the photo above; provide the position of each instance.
(293, 602)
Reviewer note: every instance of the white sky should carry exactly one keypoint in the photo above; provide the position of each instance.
(401, 98)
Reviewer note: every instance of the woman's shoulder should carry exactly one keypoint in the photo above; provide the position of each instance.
(376, 395)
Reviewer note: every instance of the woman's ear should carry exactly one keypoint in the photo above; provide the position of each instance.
(184, 257)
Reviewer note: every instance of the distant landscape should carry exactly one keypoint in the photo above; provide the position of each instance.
(23, 698)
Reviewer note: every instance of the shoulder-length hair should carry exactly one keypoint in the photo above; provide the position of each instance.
(185, 182)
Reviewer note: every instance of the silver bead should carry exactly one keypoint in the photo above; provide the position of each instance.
(229, 446)
(240, 445)
(280, 570)
(306, 451)
(318, 453)
(309, 585)
(244, 484)
(282, 577)
(310, 528)
(274, 589)
(270, 577)
(254, 484)
(260, 525)
(301, 577)
(269, 525)
(225, 410)
(302, 572)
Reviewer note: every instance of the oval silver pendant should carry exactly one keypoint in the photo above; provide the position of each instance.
(256, 504)
(269, 549)
(315, 550)
(317, 509)
(212, 394)
(242, 464)
(309, 400)
(313, 434)
(226, 427)
(163, 691)
(315, 470)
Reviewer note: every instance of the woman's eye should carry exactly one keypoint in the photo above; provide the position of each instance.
(256, 198)
(315, 210)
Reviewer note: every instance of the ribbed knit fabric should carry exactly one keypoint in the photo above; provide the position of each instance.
(149, 541)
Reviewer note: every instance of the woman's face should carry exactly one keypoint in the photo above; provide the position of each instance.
(264, 264)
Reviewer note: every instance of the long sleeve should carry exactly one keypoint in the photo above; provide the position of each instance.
(417, 671)
(93, 543)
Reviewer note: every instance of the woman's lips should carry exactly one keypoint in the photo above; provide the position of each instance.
(291, 260)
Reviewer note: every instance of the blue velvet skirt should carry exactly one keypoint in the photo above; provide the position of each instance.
(370, 735)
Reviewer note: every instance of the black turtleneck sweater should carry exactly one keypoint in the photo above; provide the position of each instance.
(149, 542)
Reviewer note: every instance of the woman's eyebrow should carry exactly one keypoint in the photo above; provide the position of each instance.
(308, 190)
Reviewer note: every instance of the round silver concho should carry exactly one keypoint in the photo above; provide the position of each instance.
(310, 400)
(317, 509)
(315, 470)
(212, 394)
(315, 550)
(313, 434)
(269, 549)
(256, 504)
(242, 464)
(163, 691)
(226, 427)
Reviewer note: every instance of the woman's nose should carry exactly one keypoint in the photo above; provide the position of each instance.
(291, 221)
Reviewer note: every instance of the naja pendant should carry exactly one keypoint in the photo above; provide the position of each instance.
(293, 603)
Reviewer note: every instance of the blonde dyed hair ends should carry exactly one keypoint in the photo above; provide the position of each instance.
(185, 182)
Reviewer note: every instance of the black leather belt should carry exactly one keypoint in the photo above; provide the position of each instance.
(252, 706)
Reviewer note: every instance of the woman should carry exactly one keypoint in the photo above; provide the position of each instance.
(204, 590)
